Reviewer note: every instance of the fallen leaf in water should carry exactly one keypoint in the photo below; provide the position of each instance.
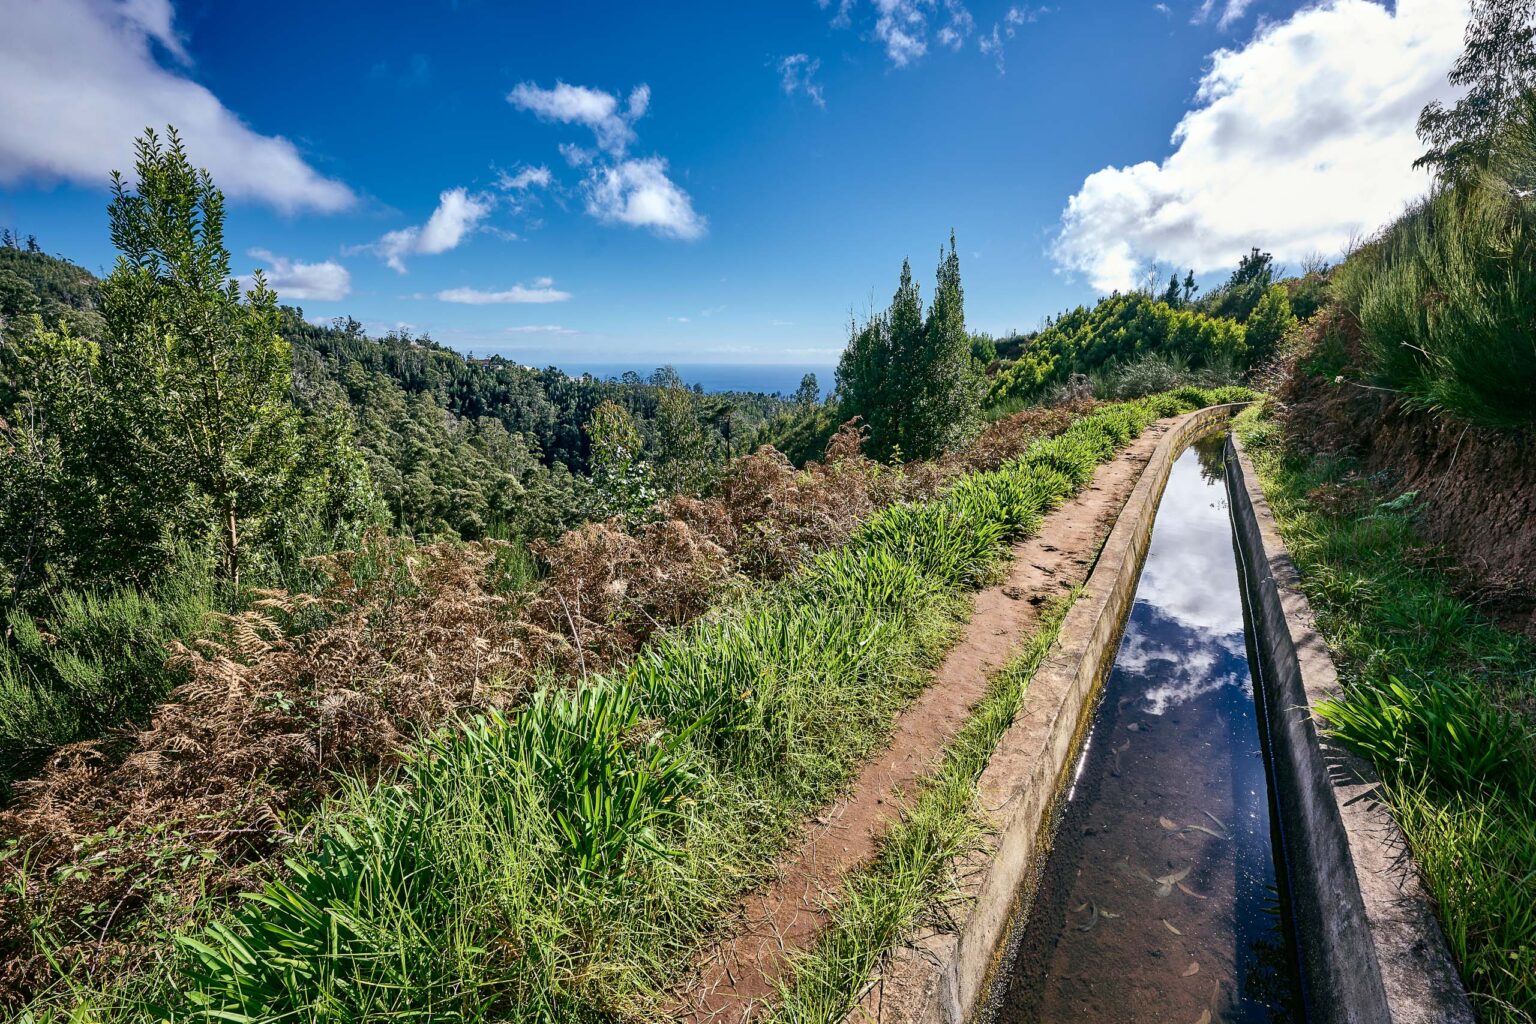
(1171, 927)
(1173, 877)
(1133, 727)
(1169, 824)
(1190, 971)
(1205, 1017)
(1187, 891)
(1080, 907)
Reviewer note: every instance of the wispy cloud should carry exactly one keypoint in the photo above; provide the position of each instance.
(79, 78)
(1297, 141)
(908, 29)
(542, 329)
(1231, 12)
(797, 73)
(525, 179)
(992, 43)
(542, 291)
(902, 26)
(458, 213)
(300, 281)
(611, 124)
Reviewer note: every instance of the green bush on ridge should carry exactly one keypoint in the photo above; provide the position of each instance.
(1119, 329)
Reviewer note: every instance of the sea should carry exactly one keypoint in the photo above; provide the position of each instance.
(778, 378)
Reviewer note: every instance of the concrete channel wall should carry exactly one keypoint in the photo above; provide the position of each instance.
(1370, 947)
(945, 977)
(1371, 950)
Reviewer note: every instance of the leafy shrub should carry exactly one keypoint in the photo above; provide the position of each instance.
(1444, 728)
(1156, 372)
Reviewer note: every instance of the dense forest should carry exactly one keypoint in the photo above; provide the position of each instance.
(455, 447)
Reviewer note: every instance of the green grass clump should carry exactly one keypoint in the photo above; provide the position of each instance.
(913, 871)
(1444, 296)
(1438, 698)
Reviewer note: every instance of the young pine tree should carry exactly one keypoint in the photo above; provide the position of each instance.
(913, 379)
(947, 383)
(205, 369)
(621, 478)
(173, 428)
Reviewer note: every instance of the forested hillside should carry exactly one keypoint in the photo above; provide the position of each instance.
(456, 447)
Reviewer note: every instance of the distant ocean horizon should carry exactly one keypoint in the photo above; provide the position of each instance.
(770, 379)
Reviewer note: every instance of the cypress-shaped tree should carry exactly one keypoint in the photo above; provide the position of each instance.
(911, 378)
(946, 384)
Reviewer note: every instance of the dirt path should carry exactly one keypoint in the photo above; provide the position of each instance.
(740, 970)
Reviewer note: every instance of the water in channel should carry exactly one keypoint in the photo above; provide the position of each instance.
(1161, 900)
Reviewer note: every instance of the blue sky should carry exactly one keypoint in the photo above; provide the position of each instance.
(723, 182)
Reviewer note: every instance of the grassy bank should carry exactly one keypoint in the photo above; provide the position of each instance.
(1443, 702)
(913, 872)
(1443, 296)
(563, 861)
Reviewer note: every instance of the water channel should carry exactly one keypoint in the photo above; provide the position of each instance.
(1161, 900)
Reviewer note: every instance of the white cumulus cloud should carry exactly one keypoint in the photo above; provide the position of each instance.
(1297, 142)
(458, 213)
(638, 193)
(611, 123)
(80, 78)
(542, 291)
(635, 192)
(300, 281)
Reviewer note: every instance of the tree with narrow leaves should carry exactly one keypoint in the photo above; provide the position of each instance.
(206, 362)
(809, 391)
(1497, 65)
(1171, 293)
(621, 477)
(682, 451)
(913, 379)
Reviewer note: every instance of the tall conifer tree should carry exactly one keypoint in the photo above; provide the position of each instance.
(912, 378)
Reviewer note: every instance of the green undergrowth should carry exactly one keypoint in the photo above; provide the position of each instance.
(562, 861)
(1436, 696)
(914, 871)
(86, 663)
